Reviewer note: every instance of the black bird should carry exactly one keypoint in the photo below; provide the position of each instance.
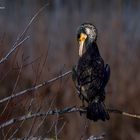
(91, 74)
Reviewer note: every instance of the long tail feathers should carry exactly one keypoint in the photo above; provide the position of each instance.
(97, 111)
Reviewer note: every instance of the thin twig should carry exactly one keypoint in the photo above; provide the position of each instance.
(124, 113)
(50, 129)
(61, 128)
(56, 125)
(15, 46)
(20, 126)
(35, 87)
(37, 75)
(32, 125)
(20, 39)
(17, 129)
(31, 21)
(45, 117)
(2, 8)
(17, 80)
(28, 64)
(15, 86)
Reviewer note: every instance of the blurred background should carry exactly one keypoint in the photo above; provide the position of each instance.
(52, 50)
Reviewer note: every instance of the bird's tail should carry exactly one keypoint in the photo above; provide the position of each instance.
(97, 111)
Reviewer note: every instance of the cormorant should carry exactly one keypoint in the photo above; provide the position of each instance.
(91, 75)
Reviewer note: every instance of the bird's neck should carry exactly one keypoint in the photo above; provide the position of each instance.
(93, 49)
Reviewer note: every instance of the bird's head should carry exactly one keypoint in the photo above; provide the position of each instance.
(86, 34)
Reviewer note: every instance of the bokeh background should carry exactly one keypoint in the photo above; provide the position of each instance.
(52, 50)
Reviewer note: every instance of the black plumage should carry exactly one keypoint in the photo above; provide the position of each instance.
(91, 74)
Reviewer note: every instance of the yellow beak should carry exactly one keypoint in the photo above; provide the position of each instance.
(81, 43)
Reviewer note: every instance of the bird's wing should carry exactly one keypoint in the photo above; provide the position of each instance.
(106, 75)
(97, 73)
(75, 78)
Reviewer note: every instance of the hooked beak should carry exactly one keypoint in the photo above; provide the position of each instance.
(81, 43)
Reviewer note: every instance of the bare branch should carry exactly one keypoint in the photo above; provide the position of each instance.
(15, 46)
(124, 113)
(35, 87)
(45, 117)
(51, 112)
(60, 112)
(16, 130)
(20, 39)
(97, 137)
(17, 80)
(61, 128)
(31, 21)
(2, 8)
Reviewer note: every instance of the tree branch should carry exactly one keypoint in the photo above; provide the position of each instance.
(15, 46)
(2, 8)
(20, 39)
(60, 112)
(34, 87)
(124, 113)
(96, 137)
